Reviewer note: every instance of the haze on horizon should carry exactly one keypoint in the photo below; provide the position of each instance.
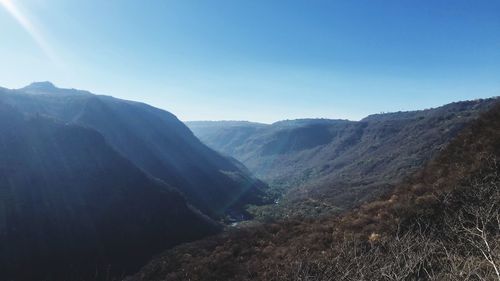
(258, 60)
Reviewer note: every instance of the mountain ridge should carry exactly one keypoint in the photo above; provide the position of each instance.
(154, 140)
(425, 228)
(71, 207)
(339, 162)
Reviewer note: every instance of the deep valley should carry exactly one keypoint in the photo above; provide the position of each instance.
(94, 187)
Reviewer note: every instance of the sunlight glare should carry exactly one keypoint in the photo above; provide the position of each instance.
(16, 13)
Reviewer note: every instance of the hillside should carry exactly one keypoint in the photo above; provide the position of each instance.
(152, 139)
(336, 164)
(224, 136)
(441, 223)
(72, 208)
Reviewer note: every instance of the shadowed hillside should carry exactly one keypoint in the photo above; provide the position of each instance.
(72, 208)
(152, 139)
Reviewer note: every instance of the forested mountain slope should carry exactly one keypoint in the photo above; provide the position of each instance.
(72, 208)
(441, 223)
(152, 139)
(341, 163)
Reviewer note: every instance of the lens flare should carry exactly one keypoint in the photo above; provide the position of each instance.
(16, 13)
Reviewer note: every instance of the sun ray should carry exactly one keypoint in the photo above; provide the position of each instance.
(16, 13)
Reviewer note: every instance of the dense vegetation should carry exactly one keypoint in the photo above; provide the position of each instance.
(326, 166)
(442, 223)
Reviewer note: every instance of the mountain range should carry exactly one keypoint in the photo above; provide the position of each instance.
(97, 185)
(333, 165)
(93, 187)
(438, 223)
(153, 139)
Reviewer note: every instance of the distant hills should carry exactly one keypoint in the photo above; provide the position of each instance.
(438, 223)
(91, 186)
(339, 163)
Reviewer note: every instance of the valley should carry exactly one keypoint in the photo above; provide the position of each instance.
(261, 140)
(320, 166)
(94, 188)
(439, 223)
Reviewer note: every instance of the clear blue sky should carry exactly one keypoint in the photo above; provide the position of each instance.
(259, 60)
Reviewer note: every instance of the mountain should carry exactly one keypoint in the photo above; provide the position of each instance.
(154, 140)
(73, 208)
(335, 164)
(440, 223)
(224, 136)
